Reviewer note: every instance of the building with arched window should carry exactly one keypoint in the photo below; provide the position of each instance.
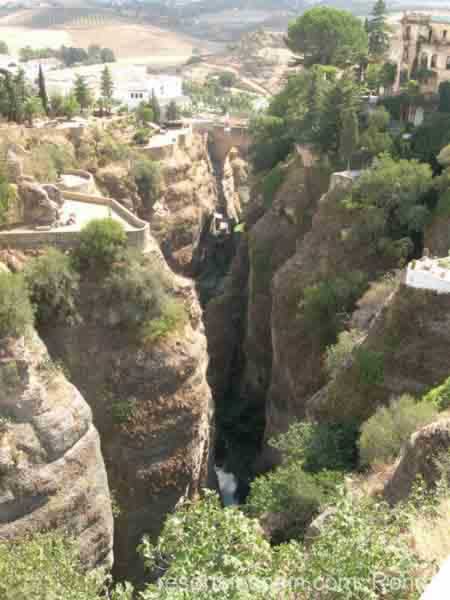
(425, 47)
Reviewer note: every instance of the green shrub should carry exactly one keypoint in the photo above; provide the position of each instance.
(102, 242)
(53, 285)
(48, 566)
(370, 366)
(326, 304)
(142, 302)
(290, 491)
(147, 175)
(173, 316)
(383, 435)
(439, 396)
(16, 312)
(319, 446)
(361, 554)
(339, 354)
(141, 137)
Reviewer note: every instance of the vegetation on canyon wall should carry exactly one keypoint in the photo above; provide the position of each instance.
(318, 522)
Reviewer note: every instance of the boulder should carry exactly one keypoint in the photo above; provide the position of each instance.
(38, 208)
(54, 193)
(419, 458)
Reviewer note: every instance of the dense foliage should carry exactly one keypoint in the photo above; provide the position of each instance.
(325, 305)
(327, 36)
(53, 287)
(102, 242)
(391, 201)
(147, 176)
(383, 435)
(47, 566)
(16, 313)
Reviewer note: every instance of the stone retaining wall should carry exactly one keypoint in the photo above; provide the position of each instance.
(26, 240)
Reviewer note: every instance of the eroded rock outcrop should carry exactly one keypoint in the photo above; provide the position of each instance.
(151, 405)
(332, 248)
(188, 199)
(405, 351)
(420, 458)
(37, 207)
(52, 473)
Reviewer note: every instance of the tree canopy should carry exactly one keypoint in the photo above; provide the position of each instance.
(328, 36)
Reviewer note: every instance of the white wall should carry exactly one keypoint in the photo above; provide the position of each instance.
(428, 280)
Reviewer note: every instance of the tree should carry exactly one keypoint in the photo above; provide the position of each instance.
(42, 89)
(57, 105)
(156, 108)
(147, 175)
(4, 48)
(32, 108)
(327, 36)
(107, 88)
(349, 137)
(344, 96)
(227, 79)
(375, 140)
(82, 93)
(173, 112)
(444, 97)
(16, 313)
(107, 55)
(271, 141)
(144, 113)
(102, 242)
(378, 31)
(70, 106)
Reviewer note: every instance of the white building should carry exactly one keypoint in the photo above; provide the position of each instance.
(429, 274)
(132, 84)
(139, 87)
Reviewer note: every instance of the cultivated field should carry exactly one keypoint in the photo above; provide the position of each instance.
(130, 41)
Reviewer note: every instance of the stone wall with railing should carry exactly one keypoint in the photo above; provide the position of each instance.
(138, 237)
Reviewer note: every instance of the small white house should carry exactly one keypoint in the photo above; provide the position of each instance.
(134, 90)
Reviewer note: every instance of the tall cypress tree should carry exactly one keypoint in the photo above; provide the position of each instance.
(156, 108)
(378, 31)
(107, 89)
(43, 90)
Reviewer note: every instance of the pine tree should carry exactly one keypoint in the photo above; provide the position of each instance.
(349, 135)
(173, 113)
(107, 89)
(156, 108)
(43, 90)
(378, 31)
(82, 93)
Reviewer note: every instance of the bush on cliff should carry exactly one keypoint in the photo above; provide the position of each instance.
(383, 435)
(16, 312)
(439, 396)
(206, 553)
(48, 566)
(391, 201)
(53, 285)
(326, 304)
(102, 242)
(147, 176)
(139, 294)
(318, 446)
(294, 495)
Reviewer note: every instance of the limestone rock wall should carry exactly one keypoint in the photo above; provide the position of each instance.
(52, 473)
(152, 407)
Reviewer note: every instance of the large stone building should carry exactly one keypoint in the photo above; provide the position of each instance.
(425, 49)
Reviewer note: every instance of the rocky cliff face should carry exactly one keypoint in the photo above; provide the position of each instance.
(408, 341)
(52, 473)
(188, 199)
(152, 407)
